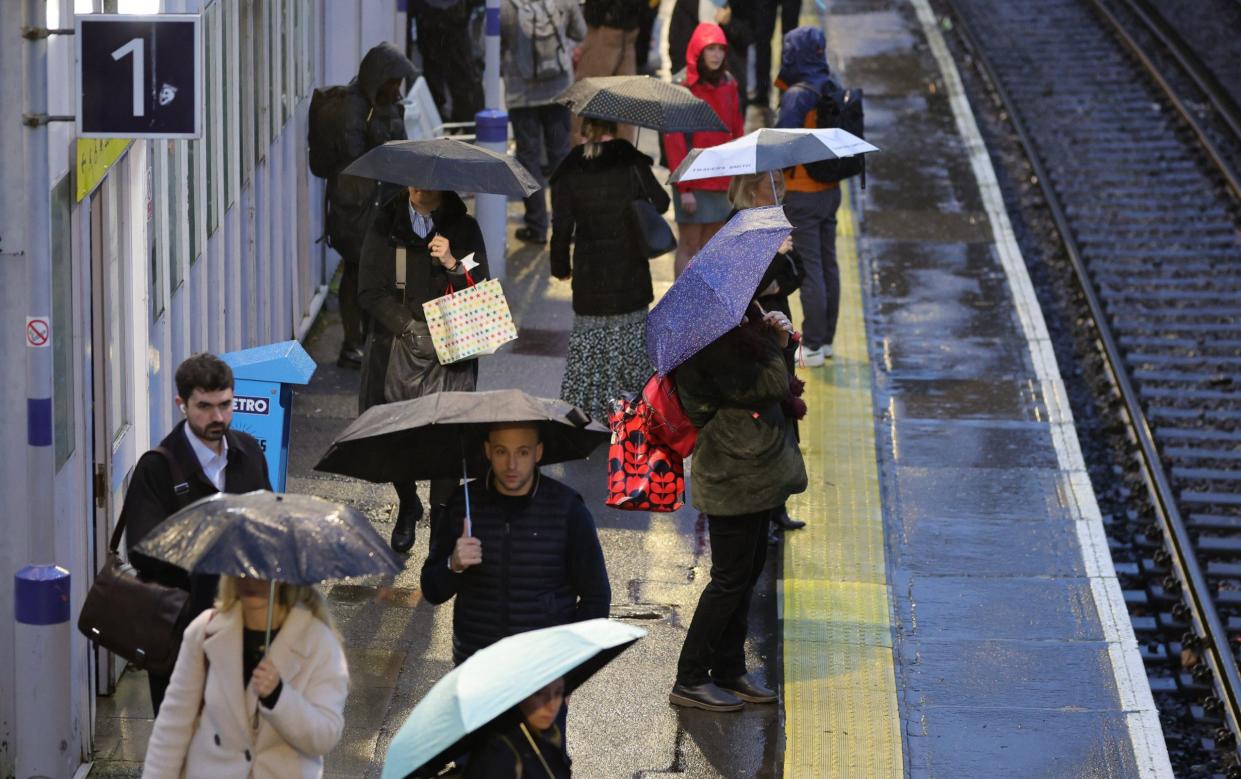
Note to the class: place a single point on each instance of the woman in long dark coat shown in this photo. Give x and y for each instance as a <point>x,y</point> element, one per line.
<point>783,277</point>
<point>434,234</point>
<point>591,193</point>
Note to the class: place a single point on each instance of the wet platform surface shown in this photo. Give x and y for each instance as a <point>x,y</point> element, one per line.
<point>1012,651</point>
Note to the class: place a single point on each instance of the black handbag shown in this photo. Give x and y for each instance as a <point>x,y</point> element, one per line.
<point>651,231</point>
<point>142,621</point>
<point>414,370</point>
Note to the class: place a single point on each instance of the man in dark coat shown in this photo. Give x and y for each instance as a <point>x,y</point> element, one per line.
<point>373,116</point>
<point>531,558</point>
<point>434,238</point>
<point>200,457</point>
<point>442,29</point>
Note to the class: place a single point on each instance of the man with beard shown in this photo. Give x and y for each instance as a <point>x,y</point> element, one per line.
<point>200,457</point>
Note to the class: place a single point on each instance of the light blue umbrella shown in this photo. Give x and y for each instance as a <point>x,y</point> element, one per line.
<point>495,680</point>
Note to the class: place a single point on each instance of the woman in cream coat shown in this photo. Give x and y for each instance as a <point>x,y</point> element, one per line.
<point>207,726</point>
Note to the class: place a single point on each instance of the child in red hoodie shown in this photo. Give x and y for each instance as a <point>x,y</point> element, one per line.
<point>702,206</point>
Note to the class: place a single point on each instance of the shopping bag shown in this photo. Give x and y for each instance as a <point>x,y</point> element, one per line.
<point>469,322</point>
<point>643,475</point>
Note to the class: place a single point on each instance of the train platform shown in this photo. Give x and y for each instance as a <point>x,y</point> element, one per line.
<point>951,610</point>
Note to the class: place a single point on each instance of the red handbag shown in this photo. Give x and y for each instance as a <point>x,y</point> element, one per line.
<point>650,436</point>
<point>670,425</point>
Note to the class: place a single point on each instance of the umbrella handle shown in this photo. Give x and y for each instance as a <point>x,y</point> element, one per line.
<point>465,485</point>
<point>271,605</point>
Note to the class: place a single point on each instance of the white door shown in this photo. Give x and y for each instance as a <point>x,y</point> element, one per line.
<point>111,393</point>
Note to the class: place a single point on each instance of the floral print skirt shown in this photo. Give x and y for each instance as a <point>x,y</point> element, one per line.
<point>607,358</point>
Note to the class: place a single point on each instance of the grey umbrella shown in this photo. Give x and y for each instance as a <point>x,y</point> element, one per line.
<point>444,164</point>
<point>643,101</point>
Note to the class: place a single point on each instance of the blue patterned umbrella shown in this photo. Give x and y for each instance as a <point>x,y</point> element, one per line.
<point>711,296</point>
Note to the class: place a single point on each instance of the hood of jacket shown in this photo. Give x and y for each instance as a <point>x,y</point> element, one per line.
<point>705,34</point>
<point>804,58</point>
<point>381,64</point>
<point>613,154</point>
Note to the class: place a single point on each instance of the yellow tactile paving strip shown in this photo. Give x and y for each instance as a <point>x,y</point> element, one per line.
<point>841,717</point>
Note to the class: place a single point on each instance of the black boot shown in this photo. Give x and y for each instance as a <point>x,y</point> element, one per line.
<point>403,532</point>
<point>704,696</point>
<point>747,689</point>
<point>409,511</point>
<point>783,521</point>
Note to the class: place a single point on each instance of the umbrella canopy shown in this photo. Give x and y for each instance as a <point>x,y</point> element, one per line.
<point>444,164</point>
<point>767,149</point>
<point>298,539</point>
<point>643,101</point>
<point>425,438</point>
<point>495,680</point>
<point>711,296</point>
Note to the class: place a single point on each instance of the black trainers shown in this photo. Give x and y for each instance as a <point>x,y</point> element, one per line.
<point>748,690</point>
<point>707,697</point>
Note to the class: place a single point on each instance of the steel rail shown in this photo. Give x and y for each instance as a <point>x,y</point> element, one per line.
<point>1205,618</point>
<point>1192,66</point>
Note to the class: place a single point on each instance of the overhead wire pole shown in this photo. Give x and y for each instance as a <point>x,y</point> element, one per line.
<point>41,588</point>
<point>491,126</point>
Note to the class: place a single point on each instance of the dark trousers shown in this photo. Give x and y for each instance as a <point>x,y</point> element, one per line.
<point>448,62</point>
<point>764,21</point>
<point>407,493</point>
<point>813,216</point>
<point>540,131</point>
<point>350,311</point>
<point>715,643</point>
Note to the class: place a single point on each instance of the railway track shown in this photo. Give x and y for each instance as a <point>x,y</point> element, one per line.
<point>1136,149</point>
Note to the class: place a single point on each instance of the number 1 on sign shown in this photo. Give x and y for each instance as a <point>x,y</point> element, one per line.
<point>136,47</point>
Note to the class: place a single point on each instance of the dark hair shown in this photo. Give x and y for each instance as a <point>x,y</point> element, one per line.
<point>204,372</point>
<point>531,425</point>
<point>708,75</point>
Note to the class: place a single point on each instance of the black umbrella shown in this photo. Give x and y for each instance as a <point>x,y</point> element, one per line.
<point>427,437</point>
<point>643,101</point>
<point>444,164</point>
<point>297,539</point>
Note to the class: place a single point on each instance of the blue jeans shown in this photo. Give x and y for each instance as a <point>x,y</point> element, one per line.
<point>541,132</point>
<point>813,216</point>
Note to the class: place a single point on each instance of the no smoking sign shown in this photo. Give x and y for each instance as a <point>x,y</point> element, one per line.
<point>38,332</point>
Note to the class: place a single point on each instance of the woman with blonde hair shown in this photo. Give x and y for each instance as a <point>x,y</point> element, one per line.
<point>611,275</point>
<point>238,708</point>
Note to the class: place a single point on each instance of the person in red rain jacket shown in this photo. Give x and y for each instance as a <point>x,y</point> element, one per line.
<point>702,206</point>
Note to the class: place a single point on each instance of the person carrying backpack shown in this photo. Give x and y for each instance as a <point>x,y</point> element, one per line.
<point>537,38</point>
<point>810,204</point>
<point>345,123</point>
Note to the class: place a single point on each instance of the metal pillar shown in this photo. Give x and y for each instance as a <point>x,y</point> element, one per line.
<point>491,126</point>
<point>42,635</point>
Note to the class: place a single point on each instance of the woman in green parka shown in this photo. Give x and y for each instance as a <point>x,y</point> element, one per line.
<point>737,392</point>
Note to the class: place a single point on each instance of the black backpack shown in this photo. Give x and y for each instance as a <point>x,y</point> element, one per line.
<point>327,131</point>
<point>842,108</point>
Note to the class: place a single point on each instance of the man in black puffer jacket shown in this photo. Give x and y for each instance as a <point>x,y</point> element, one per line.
<point>532,559</point>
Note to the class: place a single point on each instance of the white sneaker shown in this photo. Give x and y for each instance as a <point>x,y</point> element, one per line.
<point>813,358</point>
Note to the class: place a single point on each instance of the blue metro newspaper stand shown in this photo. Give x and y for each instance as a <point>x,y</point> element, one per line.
<point>263,398</point>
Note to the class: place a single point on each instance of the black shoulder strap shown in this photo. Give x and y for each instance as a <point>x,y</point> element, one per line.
<point>180,490</point>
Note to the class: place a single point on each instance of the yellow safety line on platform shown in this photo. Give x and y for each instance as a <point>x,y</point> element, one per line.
<point>841,717</point>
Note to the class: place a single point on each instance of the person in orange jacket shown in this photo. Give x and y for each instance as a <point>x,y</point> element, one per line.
<point>702,206</point>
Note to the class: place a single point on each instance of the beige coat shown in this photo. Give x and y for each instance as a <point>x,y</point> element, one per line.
<point>204,728</point>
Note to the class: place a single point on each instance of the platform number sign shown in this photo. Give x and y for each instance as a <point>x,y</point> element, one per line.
<point>139,76</point>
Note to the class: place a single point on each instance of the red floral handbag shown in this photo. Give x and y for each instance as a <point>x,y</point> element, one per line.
<point>650,437</point>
